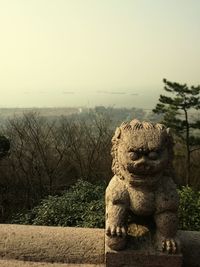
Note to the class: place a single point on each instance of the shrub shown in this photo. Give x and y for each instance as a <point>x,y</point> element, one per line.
<point>189,209</point>
<point>82,205</point>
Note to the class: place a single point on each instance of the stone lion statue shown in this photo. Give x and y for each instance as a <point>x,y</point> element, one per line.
<point>142,188</point>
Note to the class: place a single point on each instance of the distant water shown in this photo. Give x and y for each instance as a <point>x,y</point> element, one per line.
<point>145,99</point>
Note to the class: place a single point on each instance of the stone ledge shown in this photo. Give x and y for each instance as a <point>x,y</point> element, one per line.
<point>72,245</point>
<point>15,263</point>
<point>52,244</point>
<point>190,246</point>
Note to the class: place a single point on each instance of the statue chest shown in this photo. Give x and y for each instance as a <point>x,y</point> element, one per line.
<point>142,202</point>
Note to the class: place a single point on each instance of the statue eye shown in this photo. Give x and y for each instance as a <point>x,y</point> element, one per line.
<point>153,155</point>
<point>133,155</point>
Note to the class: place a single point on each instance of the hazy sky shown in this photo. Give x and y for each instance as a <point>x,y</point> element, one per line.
<point>96,52</point>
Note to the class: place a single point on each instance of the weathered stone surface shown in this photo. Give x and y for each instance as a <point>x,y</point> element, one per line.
<point>31,241</point>
<point>135,258</point>
<point>142,186</point>
<point>14,263</point>
<point>52,244</point>
<point>190,247</point>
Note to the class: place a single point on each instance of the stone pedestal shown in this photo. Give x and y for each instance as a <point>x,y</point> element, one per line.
<point>140,252</point>
<point>141,258</point>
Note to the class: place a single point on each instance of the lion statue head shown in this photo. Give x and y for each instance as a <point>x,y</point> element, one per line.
<point>142,152</point>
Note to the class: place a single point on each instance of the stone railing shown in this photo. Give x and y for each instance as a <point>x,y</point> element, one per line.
<point>64,246</point>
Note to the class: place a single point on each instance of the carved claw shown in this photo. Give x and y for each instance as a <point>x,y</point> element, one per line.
<point>169,245</point>
<point>116,231</point>
<point>116,236</point>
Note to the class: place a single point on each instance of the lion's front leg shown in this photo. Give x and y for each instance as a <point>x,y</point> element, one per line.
<point>116,229</point>
<point>115,220</point>
<point>165,238</point>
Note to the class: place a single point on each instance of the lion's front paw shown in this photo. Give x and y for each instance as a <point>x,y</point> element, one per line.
<point>115,230</point>
<point>116,236</point>
<point>169,245</point>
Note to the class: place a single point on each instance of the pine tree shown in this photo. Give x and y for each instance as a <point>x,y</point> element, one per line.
<point>175,108</point>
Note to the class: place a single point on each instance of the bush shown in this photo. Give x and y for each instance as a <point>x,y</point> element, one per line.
<point>82,205</point>
<point>189,209</point>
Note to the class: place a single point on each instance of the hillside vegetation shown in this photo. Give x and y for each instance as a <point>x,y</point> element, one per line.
<point>48,156</point>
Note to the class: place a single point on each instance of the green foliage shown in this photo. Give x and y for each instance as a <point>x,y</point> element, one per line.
<point>189,209</point>
<point>82,205</point>
<point>179,101</point>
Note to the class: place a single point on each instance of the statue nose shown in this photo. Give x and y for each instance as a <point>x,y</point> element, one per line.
<point>142,163</point>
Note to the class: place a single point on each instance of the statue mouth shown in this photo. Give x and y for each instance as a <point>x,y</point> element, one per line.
<point>136,178</point>
<point>142,173</point>
<point>139,177</point>
<point>139,171</point>
<point>143,179</point>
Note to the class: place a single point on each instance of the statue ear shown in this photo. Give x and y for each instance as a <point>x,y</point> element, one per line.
<point>118,133</point>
